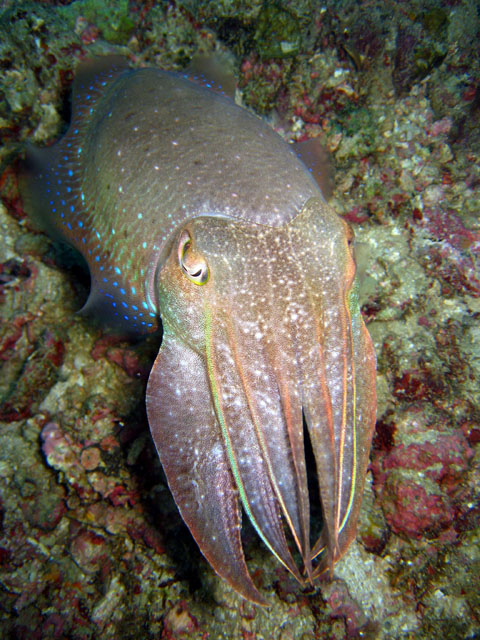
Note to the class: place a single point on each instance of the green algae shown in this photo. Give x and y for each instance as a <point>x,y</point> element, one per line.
<point>432,51</point>
<point>111,17</point>
<point>278,32</point>
<point>436,21</point>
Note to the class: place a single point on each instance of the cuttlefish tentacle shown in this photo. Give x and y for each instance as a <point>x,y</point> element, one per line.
<point>355,364</point>
<point>268,370</point>
<point>295,499</point>
<point>362,406</point>
<point>328,378</point>
<point>237,401</point>
<point>318,413</point>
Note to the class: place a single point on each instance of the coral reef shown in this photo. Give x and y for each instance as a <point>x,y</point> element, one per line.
<point>91,544</point>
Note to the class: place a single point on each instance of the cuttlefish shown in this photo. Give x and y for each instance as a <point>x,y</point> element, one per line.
<point>193,212</point>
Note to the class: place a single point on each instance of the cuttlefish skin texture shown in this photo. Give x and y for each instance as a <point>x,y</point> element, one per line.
<point>191,210</point>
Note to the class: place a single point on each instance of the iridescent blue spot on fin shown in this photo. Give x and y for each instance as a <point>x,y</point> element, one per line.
<point>213,72</point>
<point>49,176</point>
<point>92,79</point>
<point>116,308</point>
<point>51,187</point>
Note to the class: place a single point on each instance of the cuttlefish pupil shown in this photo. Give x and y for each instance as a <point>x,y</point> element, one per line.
<point>276,337</point>
<point>193,264</point>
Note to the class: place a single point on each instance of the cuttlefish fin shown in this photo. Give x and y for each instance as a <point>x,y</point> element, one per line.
<point>185,431</point>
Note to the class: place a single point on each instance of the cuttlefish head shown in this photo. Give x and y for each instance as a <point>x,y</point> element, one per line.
<point>263,338</point>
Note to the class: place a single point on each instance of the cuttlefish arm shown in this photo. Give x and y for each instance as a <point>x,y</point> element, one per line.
<point>194,459</point>
<point>260,332</point>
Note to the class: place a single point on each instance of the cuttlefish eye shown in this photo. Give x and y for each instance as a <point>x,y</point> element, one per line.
<point>193,264</point>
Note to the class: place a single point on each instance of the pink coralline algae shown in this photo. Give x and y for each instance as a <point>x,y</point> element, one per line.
<point>455,255</point>
<point>179,621</point>
<point>44,511</point>
<point>444,460</point>
<point>90,458</point>
<point>440,127</point>
<point>419,484</point>
<point>63,454</point>
<point>89,551</point>
<point>113,506</point>
<point>81,464</point>
<point>343,606</point>
<point>410,510</point>
<point>113,347</point>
